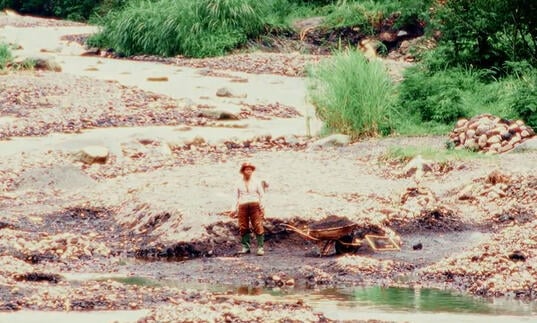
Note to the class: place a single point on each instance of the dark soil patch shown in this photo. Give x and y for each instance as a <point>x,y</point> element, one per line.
<point>331,221</point>
<point>80,221</point>
<point>325,40</point>
<point>226,246</point>
<point>5,225</point>
<point>178,251</point>
<point>38,277</point>
<point>430,220</point>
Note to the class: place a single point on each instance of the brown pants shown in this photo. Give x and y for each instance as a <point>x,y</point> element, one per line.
<point>250,212</point>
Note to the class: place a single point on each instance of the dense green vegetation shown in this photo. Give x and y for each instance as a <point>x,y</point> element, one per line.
<point>68,9</point>
<point>5,55</point>
<point>483,60</point>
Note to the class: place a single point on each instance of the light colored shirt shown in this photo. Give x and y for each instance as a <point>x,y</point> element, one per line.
<point>248,192</point>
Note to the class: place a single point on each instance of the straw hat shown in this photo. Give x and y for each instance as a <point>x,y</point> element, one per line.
<point>247,165</point>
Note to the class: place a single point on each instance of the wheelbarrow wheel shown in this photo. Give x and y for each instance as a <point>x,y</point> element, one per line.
<point>344,245</point>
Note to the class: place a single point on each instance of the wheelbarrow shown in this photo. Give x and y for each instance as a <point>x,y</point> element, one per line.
<point>327,238</point>
<point>340,238</point>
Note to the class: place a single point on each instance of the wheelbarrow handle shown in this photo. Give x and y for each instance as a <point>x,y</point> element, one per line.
<point>300,232</point>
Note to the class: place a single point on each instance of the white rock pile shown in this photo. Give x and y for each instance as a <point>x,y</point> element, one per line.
<point>490,134</point>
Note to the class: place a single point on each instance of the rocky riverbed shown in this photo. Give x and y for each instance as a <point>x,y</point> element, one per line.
<point>79,234</point>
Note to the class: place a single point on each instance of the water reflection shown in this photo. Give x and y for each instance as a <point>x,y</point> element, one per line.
<point>347,303</point>
<point>422,300</point>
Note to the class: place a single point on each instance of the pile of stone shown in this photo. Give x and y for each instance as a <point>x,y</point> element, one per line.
<point>490,134</point>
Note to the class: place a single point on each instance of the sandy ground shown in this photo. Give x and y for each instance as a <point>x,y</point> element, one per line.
<point>162,196</point>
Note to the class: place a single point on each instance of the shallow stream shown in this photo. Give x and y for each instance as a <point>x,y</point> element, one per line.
<point>357,303</point>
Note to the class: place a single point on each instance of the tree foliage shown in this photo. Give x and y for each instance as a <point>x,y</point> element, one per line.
<point>486,33</point>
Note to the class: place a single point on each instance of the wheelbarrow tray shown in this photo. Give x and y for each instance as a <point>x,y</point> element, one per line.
<point>332,233</point>
<point>335,233</point>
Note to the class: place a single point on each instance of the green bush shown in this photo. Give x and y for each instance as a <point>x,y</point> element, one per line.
<point>437,96</point>
<point>431,101</point>
<point>369,15</point>
<point>5,55</point>
<point>192,28</point>
<point>486,33</point>
<point>352,95</point>
<point>524,99</point>
<point>365,15</point>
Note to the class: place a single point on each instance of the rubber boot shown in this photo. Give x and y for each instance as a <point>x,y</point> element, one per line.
<point>260,243</point>
<point>245,243</point>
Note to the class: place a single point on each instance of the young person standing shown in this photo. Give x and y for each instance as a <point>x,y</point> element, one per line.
<point>249,192</point>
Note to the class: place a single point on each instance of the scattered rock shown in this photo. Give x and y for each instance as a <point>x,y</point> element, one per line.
<point>417,246</point>
<point>91,52</point>
<point>157,79</point>
<point>221,113</point>
<point>225,92</point>
<point>93,155</point>
<point>332,140</point>
<point>517,256</point>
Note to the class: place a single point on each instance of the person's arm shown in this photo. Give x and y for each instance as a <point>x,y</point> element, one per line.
<point>260,193</point>
<point>234,209</point>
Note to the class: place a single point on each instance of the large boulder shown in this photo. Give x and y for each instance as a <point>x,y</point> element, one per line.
<point>528,145</point>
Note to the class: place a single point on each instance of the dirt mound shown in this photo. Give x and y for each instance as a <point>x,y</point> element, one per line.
<point>331,221</point>
<point>437,219</point>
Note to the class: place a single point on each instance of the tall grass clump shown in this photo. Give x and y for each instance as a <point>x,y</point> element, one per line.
<point>353,95</point>
<point>192,28</point>
<point>5,55</point>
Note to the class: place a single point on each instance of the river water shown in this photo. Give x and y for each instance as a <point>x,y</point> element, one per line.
<point>364,303</point>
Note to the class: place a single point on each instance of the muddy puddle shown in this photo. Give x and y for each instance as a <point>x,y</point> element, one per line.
<point>341,304</point>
